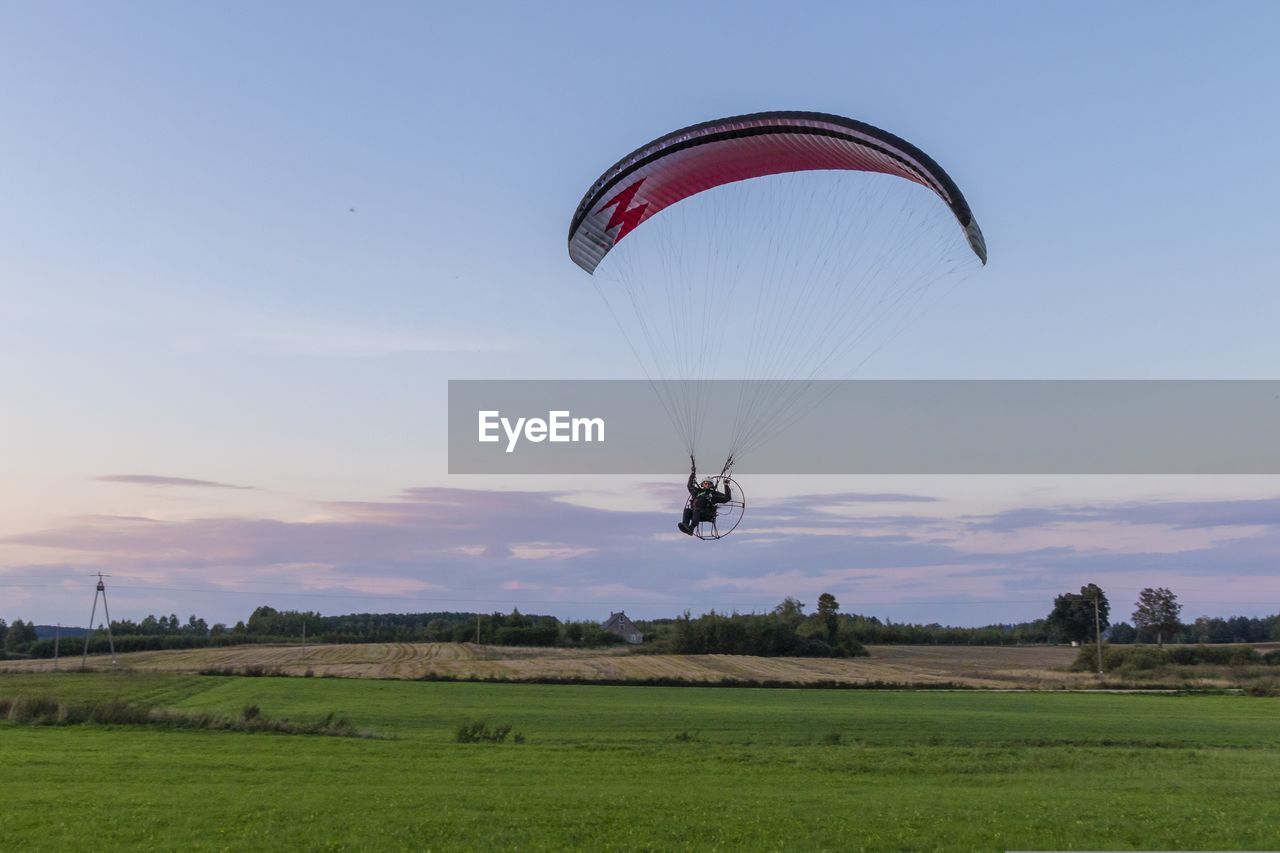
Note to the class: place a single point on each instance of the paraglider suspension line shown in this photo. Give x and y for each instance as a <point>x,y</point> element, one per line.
<point>728,466</point>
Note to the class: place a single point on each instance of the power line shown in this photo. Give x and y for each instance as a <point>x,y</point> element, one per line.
<point>647,602</point>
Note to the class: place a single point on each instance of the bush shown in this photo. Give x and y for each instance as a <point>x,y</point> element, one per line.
<point>1137,658</point>
<point>1087,658</point>
<point>1148,658</point>
<point>847,646</point>
<point>479,732</point>
<point>1221,655</point>
<point>251,671</point>
<point>46,711</point>
<point>1264,687</point>
<point>36,710</point>
<point>108,712</point>
<point>259,671</point>
<point>546,633</point>
<point>814,648</point>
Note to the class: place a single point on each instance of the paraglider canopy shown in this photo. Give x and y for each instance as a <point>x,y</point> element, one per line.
<point>714,153</point>
<point>793,246</point>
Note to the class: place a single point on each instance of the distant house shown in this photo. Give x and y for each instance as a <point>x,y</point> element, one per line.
<point>619,624</point>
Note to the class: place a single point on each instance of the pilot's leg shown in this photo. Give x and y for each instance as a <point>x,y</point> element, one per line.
<point>686,526</point>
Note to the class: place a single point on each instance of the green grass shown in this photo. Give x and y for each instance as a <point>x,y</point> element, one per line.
<point>603,768</point>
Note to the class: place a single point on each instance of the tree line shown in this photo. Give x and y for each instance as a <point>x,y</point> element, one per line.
<point>1156,618</point>
<point>269,625</point>
<point>787,630</point>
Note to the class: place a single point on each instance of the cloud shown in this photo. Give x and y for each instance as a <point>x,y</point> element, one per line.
<point>426,547</point>
<point>1179,514</point>
<point>845,499</point>
<point>548,551</point>
<point>844,511</point>
<point>107,519</point>
<point>456,539</point>
<point>154,480</point>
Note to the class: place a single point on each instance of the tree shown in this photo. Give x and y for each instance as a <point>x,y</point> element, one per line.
<point>1073,614</point>
<point>1122,632</point>
<point>790,610</point>
<point>19,636</point>
<point>262,621</point>
<point>1157,612</point>
<point>828,610</point>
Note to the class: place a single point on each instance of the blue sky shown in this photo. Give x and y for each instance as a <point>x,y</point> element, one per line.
<point>188,294</point>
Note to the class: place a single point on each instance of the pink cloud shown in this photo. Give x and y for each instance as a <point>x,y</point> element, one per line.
<point>428,547</point>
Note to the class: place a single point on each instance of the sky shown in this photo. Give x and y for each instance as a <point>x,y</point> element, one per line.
<point>243,248</point>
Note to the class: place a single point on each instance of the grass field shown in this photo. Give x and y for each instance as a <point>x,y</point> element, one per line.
<point>604,768</point>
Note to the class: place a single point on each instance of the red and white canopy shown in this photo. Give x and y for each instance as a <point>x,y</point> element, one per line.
<point>715,153</point>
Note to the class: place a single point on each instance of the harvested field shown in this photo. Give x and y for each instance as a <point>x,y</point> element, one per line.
<point>971,666</point>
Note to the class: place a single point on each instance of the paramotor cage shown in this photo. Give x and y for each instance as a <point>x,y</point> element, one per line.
<point>727,514</point>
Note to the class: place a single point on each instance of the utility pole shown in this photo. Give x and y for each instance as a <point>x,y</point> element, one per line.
<point>57,638</point>
<point>1097,629</point>
<point>101,590</point>
<point>477,629</point>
